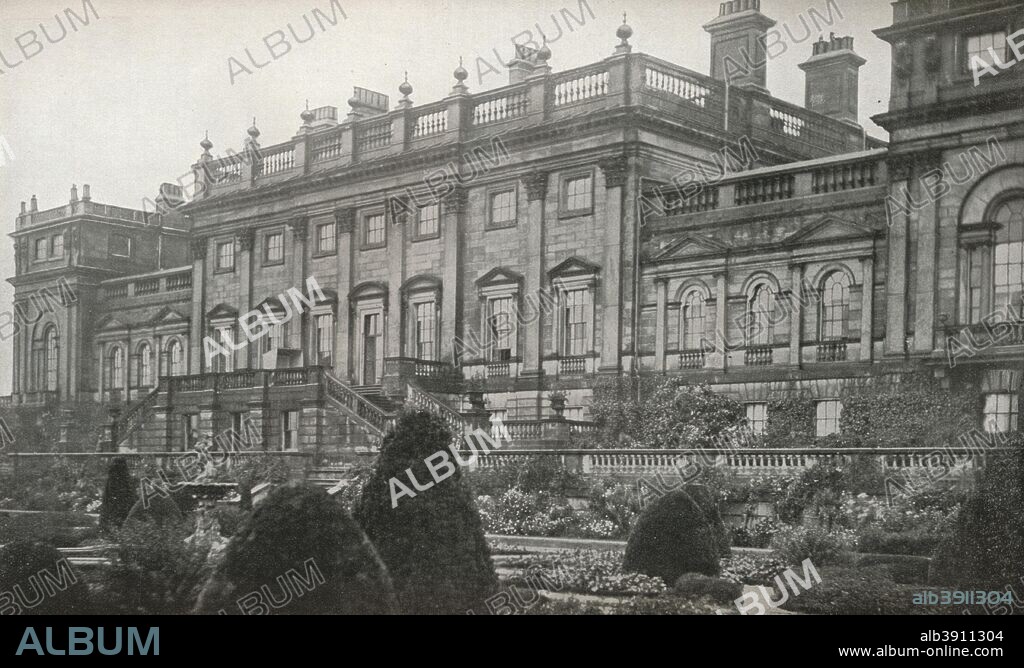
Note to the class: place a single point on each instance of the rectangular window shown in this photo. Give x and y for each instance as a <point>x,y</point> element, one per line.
<point>57,246</point>
<point>425,324</point>
<point>428,221</point>
<point>226,256</point>
<point>374,231</point>
<point>325,339</point>
<point>988,47</point>
<point>1001,413</point>
<point>290,430</point>
<point>828,415</point>
<point>574,323</point>
<point>120,245</point>
<point>757,418</point>
<point>224,362</point>
<point>273,248</point>
<point>502,329</point>
<point>325,238</point>
<point>578,194</point>
<point>40,249</point>
<point>502,208</point>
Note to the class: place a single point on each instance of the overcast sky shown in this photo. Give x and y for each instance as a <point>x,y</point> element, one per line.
<point>122,103</point>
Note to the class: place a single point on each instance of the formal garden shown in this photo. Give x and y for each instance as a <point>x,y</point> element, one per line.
<point>534,536</point>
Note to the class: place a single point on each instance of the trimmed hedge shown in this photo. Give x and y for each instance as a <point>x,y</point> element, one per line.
<point>299,532</point>
<point>33,574</point>
<point>432,543</point>
<point>674,536</point>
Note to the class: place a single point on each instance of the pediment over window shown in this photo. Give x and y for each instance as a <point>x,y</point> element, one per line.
<point>574,266</point>
<point>832,228</point>
<point>168,316</point>
<point>368,290</point>
<point>421,283</point>
<point>111,323</point>
<point>499,276</point>
<point>689,247</point>
<point>222,311</point>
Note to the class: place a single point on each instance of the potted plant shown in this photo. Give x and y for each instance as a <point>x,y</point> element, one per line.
<point>557,400</point>
<point>475,392</point>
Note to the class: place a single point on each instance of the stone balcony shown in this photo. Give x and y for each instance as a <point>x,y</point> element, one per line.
<point>633,82</point>
<point>176,281</point>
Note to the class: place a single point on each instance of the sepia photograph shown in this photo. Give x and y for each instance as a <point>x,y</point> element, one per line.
<point>591,308</point>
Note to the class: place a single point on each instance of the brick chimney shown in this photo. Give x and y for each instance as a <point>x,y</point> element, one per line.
<point>833,79</point>
<point>738,39</point>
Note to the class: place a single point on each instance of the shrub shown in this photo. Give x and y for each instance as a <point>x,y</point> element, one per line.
<point>433,543</point>
<point>795,544</point>
<point>49,529</point>
<point>22,564</point>
<point>597,572</point>
<point>156,571</point>
<point>118,497</point>
<point>761,534</point>
<point>160,509</point>
<point>752,569</point>
<point>671,537</point>
<point>719,590</point>
<point>914,541</point>
<point>987,544</point>
<point>300,531</point>
<point>708,503</point>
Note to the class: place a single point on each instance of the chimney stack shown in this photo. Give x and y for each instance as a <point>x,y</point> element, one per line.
<point>738,38</point>
<point>86,195</point>
<point>833,79</point>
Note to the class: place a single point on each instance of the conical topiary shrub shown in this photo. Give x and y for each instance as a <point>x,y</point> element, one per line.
<point>39,581</point>
<point>673,536</point>
<point>118,497</point>
<point>433,542</point>
<point>299,553</point>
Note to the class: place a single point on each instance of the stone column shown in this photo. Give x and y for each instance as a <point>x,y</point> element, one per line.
<point>196,362</point>
<point>246,239</point>
<point>298,335</point>
<point>345,220</point>
<point>661,322</point>
<point>867,308</point>
<point>615,171</point>
<point>896,278</point>
<point>454,208</point>
<point>722,320</point>
<point>796,316</point>
<point>536,191</point>
<point>395,219</point>
<point>927,260</point>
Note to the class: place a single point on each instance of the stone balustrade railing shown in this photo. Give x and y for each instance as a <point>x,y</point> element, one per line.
<point>634,80</point>
<point>165,281</point>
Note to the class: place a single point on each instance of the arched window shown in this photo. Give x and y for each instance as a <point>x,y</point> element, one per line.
<point>145,373</point>
<point>1008,257</point>
<point>51,349</point>
<point>834,311</point>
<point>691,321</point>
<point>116,368</point>
<point>176,358</point>
<point>760,308</point>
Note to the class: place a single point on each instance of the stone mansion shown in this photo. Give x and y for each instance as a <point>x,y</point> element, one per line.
<point>626,218</point>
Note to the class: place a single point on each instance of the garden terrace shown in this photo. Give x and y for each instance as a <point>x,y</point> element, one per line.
<point>689,101</point>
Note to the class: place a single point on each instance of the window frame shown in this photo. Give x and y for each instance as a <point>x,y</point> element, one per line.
<point>1012,413</point>
<point>683,320</point>
<point>140,358</point>
<point>267,237</point>
<point>819,419</point>
<point>333,329</point>
<point>290,427</point>
<point>824,318</point>
<point>418,233</point>
<point>217,268</point>
<point>126,237</point>
<point>763,421</point>
<point>319,250</point>
<point>415,301</point>
<point>564,210</point>
<point>751,299</point>
<point>494,192</point>
<point>364,230</point>
<point>44,243</point>
<point>965,55</point>
<point>171,345</point>
<point>53,245</point>
<point>492,337</point>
